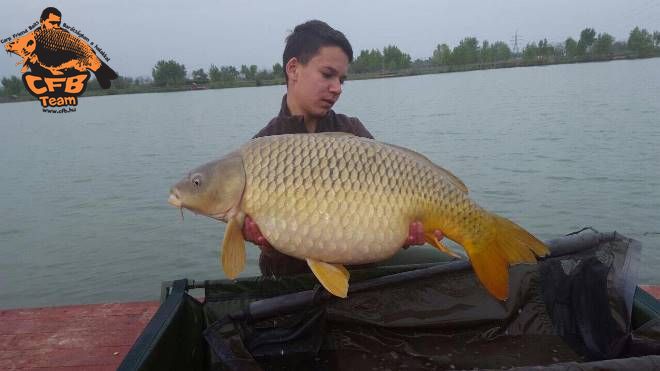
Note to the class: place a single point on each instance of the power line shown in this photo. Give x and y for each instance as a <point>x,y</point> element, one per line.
<point>516,39</point>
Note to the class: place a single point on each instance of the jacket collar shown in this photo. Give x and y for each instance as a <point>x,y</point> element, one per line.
<point>297,120</point>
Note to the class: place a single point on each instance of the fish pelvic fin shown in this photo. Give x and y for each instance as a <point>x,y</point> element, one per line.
<point>432,240</point>
<point>233,249</point>
<point>334,277</point>
<point>504,245</point>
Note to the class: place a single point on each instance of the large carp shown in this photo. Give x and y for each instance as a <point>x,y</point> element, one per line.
<point>56,51</point>
<point>333,199</point>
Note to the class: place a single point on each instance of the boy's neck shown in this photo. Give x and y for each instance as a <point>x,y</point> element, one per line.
<point>295,110</point>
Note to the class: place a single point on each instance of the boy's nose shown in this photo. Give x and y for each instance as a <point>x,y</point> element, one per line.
<point>335,87</point>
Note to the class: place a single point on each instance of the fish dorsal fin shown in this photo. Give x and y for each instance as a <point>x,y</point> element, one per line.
<point>336,134</point>
<point>423,159</point>
<point>334,277</point>
<point>233,249</point>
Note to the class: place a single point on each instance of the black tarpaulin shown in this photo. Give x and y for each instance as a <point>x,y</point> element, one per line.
<point>572,308</point>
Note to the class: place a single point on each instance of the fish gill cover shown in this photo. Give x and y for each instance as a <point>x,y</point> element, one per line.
<point>58,61</point>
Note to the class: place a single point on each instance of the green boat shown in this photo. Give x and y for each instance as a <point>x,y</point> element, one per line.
<point>578,309</point>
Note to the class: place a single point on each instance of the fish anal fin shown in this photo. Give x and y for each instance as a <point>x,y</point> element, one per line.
<point>233,249</point>
<point>432,240</point>
<point>334,277</point>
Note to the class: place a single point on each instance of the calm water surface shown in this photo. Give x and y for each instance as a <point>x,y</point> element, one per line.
<point>83,208</point>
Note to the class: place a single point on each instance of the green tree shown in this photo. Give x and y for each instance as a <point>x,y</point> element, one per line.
<point>12,86</point>
<point>501,51</point>
<point>656,39</point>
<point>228,73</point>
<point>245,71</point>
<point>200,77</point>
<point>214,73</point>
<point>168,73</point>
<point>394,59</point>
<point>640,42</point>
<point>531,53</point>
<point>545,50</point>
<point>466,52</point>
<point>223,74</point>
<point>603,45</point>
<point>278,70</point>
<point>486,53</point>
<point>263,75</point>
<point>571,48</point>
<point>441,55</point>
<point>587,38</point>
<point>620,47</point>
<point>122,82</point>
<point>249,73</point>
<point>368,61</point>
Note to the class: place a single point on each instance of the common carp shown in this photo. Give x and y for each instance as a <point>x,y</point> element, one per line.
<point>56,51</point>
<point>334,198</point>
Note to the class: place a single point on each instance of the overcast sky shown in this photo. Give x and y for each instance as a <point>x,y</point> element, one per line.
<point>136,34</point>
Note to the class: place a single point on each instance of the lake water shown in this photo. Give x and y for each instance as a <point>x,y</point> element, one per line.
<point>83,196</point>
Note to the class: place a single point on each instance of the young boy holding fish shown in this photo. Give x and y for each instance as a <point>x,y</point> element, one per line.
<point>316,60</point>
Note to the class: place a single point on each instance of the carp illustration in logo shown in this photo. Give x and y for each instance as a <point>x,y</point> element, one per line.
<point>58,62</point>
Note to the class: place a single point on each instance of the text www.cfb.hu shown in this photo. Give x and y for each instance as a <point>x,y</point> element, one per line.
<point>61,110</point>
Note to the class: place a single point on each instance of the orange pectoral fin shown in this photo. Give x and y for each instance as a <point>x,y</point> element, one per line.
<point>233,249</point>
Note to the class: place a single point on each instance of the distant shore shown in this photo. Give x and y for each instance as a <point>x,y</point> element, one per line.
<point>413,71</point>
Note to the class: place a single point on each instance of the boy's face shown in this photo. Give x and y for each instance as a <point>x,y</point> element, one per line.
<point>316,86</point>
<point>53,21</point>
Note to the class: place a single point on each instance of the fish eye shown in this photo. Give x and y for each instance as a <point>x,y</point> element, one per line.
<point>197,181</point>
<point>30,42</point>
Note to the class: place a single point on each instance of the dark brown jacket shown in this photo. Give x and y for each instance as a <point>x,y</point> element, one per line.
<point>272,262</point>
<point>285,123</point>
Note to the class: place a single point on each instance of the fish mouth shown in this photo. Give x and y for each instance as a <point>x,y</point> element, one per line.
<point>174,200</point>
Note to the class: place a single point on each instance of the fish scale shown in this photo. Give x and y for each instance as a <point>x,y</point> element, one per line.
<point>60,40</point>
<point>357,197</point>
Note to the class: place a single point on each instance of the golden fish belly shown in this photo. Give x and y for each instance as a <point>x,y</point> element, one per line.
<point>345,199</point>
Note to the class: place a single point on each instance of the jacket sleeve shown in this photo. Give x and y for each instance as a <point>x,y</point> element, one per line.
<point>268,129</point>
<point>359,129</point>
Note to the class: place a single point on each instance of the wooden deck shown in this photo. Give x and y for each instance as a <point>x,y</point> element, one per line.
<point>654,290</point>
<point>82,337</point>
<point>79,337</point>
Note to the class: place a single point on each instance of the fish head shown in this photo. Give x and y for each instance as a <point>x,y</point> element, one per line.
<point>22,46</point>
<point>214,189</point>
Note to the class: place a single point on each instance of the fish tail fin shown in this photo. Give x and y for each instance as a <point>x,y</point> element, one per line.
<point>503,244</point>
<point>104,74</point>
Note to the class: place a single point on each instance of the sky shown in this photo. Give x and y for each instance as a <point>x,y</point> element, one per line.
<point>136,34</point>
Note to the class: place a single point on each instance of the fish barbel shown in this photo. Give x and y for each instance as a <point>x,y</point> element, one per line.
<point>333,199</point>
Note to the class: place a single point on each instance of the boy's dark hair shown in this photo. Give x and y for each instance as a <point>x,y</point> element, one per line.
<point>50,10</point>
<point>307,38</point>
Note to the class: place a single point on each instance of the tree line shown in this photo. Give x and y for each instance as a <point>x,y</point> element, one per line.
<point>468,54</point>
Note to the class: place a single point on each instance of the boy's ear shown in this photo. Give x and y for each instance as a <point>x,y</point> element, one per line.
<point>292,67</point>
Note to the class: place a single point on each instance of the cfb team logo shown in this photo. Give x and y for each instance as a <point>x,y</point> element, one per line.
<point>58,62</point>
